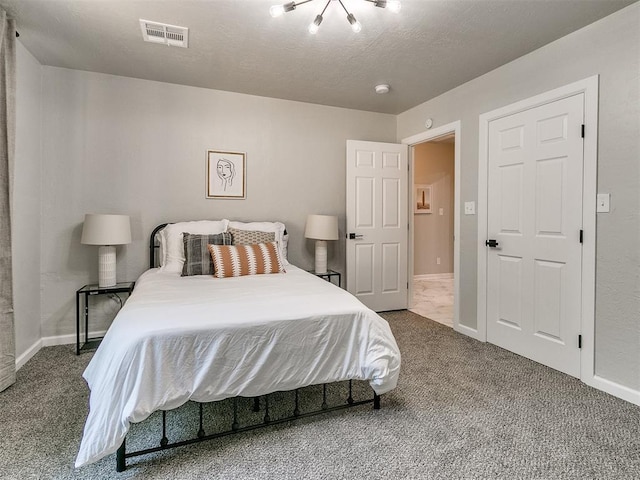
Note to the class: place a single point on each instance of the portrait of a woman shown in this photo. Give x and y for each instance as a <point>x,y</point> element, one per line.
<point>226,171</point>
<point>226,175</point>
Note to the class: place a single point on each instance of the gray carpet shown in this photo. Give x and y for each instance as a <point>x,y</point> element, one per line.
<point>462,409</point>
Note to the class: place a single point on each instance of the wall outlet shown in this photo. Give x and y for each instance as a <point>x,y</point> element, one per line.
<point>437,260</point>
<point>441,211</point>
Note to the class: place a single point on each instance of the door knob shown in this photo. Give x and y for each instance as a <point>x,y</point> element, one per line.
<point>354,236</point>
<point>491,243</point>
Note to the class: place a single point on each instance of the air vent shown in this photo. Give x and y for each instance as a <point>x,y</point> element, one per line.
<point>171,35</point>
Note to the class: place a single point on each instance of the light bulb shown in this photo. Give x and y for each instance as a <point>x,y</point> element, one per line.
<point>315,25</point>
<point>276,10</point>
<point>394,5</point>
<point>355,24</point>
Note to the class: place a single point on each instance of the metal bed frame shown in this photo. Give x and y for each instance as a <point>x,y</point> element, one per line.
<point>122,454</point>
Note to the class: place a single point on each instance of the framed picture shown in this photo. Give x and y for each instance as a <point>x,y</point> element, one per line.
<point>423,200</point>
<point>226,174</point>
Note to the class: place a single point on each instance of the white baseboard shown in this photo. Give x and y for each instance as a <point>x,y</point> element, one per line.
<point>434,276</point>
<point>68,339</point>
<point>50,342</point>
<point>28,354</point>
<point>615,389</point>
<point>468,331</point>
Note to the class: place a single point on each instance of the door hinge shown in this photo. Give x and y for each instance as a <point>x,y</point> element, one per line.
<point>582,131</point>
<point>581,235</point>
<point>579,341</point>
<point>407,285</point>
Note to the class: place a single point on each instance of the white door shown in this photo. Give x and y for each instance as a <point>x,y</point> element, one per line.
<point>535,169</point>
<point>377,221</point>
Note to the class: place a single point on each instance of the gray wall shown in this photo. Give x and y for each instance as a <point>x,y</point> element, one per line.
<point>434,164</point>
<point>26,201</point>
<point>611,49</point>
<point>120,145</point>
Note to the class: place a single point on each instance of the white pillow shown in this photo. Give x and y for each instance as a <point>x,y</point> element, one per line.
<point>161,247</point>
<point>171,240</point>
<point>276,227</point>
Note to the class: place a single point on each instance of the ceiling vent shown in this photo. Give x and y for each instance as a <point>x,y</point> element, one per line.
<point>171,35</point>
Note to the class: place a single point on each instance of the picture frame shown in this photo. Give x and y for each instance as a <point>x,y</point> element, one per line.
<point>226,174</point>
<point>423,199</point>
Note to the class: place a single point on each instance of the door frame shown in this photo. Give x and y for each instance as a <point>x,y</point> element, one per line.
<point>589,87</point>
<point>426,136</point>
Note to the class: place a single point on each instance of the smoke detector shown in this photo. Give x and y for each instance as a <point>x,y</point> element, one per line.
<point>164,34</point>
<point>380,89</point>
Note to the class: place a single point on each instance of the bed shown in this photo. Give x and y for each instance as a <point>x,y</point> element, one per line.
<point>206,339</point>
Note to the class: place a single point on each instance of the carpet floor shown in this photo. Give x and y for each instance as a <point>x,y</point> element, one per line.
<point>462,409</point>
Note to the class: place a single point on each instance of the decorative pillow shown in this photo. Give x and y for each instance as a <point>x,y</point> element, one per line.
<point>251,237</point>
<point>196,252</point>
<point>239,260</point>
<point>276,227</point>
<point>172,240</point>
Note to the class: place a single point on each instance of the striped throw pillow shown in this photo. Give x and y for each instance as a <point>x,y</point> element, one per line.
<point>197,259</point>
<point>239,260</point>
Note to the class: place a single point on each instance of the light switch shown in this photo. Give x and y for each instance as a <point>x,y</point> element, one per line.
<point>469,208</point>
<point>441,211</point>
<point>603,202</point>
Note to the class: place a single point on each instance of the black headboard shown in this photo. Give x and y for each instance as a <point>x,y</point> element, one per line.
<point>153,245</point>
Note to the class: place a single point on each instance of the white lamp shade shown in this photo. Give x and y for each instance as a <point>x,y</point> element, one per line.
<point>101,229</point>
<point>322,227</point>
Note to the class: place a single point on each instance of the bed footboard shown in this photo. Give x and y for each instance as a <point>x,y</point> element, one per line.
<point>201,436</point>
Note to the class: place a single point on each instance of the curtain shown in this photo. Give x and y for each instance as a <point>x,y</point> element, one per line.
<point>7,149</point>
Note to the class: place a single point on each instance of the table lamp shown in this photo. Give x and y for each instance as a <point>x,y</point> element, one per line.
<point>106,231</point>
<point>321,228</point>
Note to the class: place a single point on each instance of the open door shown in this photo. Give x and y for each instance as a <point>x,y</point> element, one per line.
<point>377,223</point>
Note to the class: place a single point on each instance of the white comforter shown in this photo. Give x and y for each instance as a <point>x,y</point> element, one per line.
<point>205,339</point>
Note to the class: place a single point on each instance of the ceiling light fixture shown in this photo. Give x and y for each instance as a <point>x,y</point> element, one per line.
<point>278,10</point>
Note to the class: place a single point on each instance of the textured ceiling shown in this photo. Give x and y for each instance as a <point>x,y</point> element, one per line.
<point>428,48</point>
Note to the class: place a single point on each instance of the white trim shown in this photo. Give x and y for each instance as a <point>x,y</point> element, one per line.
<point>589,193</point>
<point>588,87</point>
<point>68,339</point>
<point>615,389</point>
<point>28,354</point>
<point>410,275</point>
<point>481,211</point>
<point>468,331</point>
<point>434,276</point>
<point>455,128</point>
<point>51,342</point>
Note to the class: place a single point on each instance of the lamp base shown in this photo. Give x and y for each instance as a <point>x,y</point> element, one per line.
<point>321,256</point>
<point>106,266</point>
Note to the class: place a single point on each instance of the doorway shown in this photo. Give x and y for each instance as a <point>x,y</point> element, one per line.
<point>434,224</point>
<point>433,208</point>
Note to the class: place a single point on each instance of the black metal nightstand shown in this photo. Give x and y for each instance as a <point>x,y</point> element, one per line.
<point>328,275</point>
<point>90,290</point>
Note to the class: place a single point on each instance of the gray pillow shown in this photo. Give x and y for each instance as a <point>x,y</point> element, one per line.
<point>197,259</point>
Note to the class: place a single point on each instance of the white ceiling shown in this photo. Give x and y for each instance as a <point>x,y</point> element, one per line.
<point>428,48</point>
